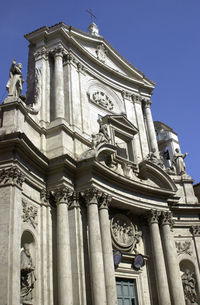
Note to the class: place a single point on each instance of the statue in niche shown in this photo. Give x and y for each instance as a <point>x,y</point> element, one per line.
<point>179,163</point>
<point>15,82</point>
<point>189,283</point>
<point>27,275</point>
<point>102,136</point>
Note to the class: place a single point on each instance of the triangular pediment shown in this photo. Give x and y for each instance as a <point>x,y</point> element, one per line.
<point>121,122</point>
<point>92,49</point>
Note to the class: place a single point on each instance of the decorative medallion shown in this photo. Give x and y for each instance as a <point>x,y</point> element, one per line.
<point>101,98</point>
<point>138,261</point>
<point>124,234</point>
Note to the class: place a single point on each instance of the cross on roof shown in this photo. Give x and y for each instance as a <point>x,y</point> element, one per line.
<point>91,14</point>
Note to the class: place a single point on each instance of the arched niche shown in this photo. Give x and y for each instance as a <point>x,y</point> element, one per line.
<point>28,268</point>
<point>189,281</point>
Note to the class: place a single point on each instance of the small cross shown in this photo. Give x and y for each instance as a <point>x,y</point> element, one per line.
<point>91,15</point>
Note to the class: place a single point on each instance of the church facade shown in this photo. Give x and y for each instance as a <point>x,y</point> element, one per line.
<point>96,206</point>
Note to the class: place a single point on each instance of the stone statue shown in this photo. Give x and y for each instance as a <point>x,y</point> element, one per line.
<point>102,136</point>
<point>27,275</point>
<point>154,159</point>
<point>179,163</point>
<point>14,84</point>
<point>189,283</point>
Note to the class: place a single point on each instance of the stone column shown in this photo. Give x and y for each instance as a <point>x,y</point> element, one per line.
<point>59,83</point>
<point>109,271</point>
<point>137,102</point>
<point>95,248</point>
<point>158,259</point>
<point>173,271</point>
<point>11,180</point>
<point>196,236</point>
<point>150,125</point>
<point>65,293</point>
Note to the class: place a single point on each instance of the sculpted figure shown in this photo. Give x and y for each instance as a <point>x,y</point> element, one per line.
<point>14,84</point>
<point>102,136</point>
<point>154,159</point>
<point>189,283</point>
<point>27,274</point>
<point>179,163</point>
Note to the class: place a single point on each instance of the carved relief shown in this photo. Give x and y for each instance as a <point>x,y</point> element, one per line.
<point>125,235</point>
<point>189,287</point>
<point>183,247</point>
<point>101,52</point>
<point>12,175</point>
<point>102,99</point>
<point>152,157</point>
<point>102,136</point>
<point>195,230</point>
<point>29,214</point>
<point>27,275</point>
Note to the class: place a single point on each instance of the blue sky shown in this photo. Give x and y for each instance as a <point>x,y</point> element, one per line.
<point>160,38</point>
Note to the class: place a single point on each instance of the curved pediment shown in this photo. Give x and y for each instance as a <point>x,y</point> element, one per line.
<point>151,171</point>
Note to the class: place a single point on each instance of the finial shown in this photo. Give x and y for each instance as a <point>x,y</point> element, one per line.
<point>92,29</point>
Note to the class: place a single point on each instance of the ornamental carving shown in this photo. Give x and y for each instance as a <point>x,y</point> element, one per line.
<point>102,99</point>
<point>195,230</point>
<point>29,214</point>
<point>124,234</point>
<point>183,247</point>
<point>189,287</point>
<point>62,195</point>
<point>12,175</point>
<point>101,137</point>
<point>101,52</point>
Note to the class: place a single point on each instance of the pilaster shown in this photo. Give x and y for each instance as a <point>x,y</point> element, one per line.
<point>11,180</point>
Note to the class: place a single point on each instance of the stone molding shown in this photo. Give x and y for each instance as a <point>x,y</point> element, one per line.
<point>183,247</point>
<point>29,214</point>
<point>11,175</point>
<point>62,195</point>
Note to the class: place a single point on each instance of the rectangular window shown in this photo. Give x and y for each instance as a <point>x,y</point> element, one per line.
<point>126,292</point>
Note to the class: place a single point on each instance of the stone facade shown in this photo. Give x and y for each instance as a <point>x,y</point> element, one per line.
<point>96,206</point>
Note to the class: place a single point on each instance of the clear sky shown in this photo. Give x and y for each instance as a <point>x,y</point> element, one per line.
<point>159,37</point>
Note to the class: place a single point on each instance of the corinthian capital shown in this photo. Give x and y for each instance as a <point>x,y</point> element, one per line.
<point>147,103</point>
<point>92,196</point>
<point>12,175</point>
<point>166,218</point>
<point>104,201</point>
<point>41,53</point>
<point>62,195</point>
<point>153,216</point>
<point>58,51</point>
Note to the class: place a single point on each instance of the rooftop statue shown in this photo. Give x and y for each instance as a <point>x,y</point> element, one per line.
<point>15,82</point>
<point>179,163</point>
